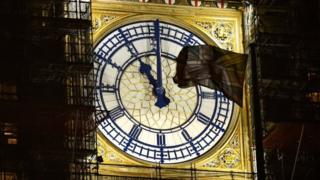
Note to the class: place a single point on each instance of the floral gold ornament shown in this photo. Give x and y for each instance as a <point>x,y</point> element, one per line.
<point>223,32</point>
<point>229,158</point>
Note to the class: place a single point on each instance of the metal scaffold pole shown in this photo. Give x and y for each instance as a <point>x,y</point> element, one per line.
<point>257,115</point>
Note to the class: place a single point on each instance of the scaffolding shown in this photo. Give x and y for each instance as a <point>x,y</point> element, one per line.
<point>288,78</point>
<point>47,128</point>
<point>287,55</point>
<point>157,172</point>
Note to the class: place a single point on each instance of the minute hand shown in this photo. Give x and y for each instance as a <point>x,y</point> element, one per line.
<point>162,100</point>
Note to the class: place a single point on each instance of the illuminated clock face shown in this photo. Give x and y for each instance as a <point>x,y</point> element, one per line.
<point>140,109</point>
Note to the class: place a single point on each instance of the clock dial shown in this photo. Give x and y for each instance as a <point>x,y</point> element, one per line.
<point>138,99</point>
<point>188,122</point>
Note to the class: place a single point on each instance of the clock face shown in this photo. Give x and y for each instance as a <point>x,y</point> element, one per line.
<point>140,109</point>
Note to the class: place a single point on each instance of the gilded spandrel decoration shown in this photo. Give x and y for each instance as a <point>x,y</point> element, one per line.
<point>213,163</point>
<point>228,157</point>
<point>234,142</point>
<point>206,25</point>
<point>107,18</point>
<point>107,154</point>
<point>222,32</point>
<point>96,24</point>
<point>100,20</point>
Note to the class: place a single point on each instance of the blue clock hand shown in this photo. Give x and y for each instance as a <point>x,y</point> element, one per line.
<point>162,100</point>
<point>144,68</point>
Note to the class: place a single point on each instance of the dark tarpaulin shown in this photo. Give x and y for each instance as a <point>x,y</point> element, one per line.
<point>212,67</point>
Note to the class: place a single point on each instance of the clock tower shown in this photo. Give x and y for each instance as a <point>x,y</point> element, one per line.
<point>149,127</point>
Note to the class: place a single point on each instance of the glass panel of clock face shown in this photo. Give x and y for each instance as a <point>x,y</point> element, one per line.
<point>188,126</point>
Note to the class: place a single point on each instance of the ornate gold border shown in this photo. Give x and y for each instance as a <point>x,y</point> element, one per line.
<point>137,17</point>
<point>197,20</point>
<point>184,15</point>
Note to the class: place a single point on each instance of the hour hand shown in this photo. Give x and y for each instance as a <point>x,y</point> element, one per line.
<point>159,92</point>
<point>146,70</point>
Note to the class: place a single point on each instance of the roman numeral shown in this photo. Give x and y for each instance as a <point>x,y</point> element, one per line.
<point>107,88</point>
<point>116,113</point>
<point>161,140</point>
<point>212,95</point>
<point>203,119</point>
<point>135,132</point>
<point>207,95</point>
<point>186,135</point>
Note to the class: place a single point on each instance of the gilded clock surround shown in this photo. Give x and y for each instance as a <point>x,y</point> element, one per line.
<point>215,26</point>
